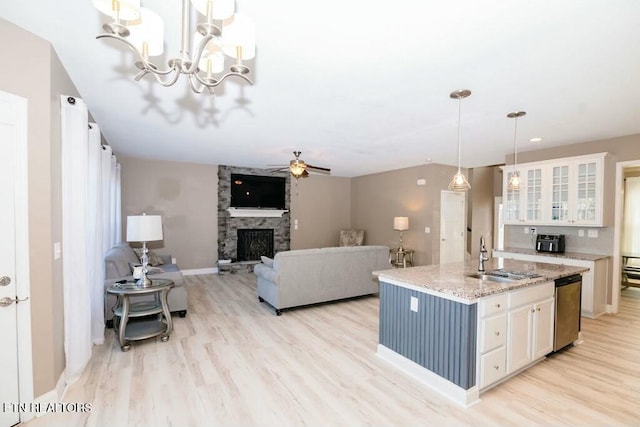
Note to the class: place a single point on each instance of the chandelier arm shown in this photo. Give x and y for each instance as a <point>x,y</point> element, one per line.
<point>245,78</point>
<point>148,66</point>
<point>192,83</point>
<point>198,56</point>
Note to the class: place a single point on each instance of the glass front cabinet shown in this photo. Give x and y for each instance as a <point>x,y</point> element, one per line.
<point>556,192</point>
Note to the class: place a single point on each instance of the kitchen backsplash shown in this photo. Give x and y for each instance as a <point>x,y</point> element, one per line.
<point>514,236</point>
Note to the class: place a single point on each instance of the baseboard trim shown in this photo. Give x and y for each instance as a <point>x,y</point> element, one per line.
<point>51,397</point>
<point>196,271</point>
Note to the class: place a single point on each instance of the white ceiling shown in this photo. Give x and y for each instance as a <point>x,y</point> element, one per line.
<point>363,86</point>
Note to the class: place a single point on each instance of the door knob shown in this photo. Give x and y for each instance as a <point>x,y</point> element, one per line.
<point>5,280</point>
<point>6,301</point>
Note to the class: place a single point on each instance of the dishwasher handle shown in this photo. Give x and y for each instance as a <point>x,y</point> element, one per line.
<point>563,281</point>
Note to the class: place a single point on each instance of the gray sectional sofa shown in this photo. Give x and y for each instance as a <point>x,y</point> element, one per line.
<point>310,276</point>
<point>117,264</point>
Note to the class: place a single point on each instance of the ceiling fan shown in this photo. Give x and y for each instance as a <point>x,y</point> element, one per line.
<point>300,169</point>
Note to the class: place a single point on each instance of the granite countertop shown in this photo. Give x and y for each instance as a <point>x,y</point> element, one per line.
<point>570,255</point>
<point>451,281</point>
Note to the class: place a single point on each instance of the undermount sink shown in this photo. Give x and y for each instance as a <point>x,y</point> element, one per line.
<point>491,278</point>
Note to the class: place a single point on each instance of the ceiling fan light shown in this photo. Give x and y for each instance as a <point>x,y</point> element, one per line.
<point>128,9</point>
<point>147,33</point>
<point>239,31</point>
<point>459,182</point>
<point>297,167</point>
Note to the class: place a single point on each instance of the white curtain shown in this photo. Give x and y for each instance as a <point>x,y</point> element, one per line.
<point>95,246</point>
<point>91,225</point>
<point>631,230</point>
<point>75,260</point>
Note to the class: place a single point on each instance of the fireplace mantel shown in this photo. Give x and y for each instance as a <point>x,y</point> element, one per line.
<point>253,213</point>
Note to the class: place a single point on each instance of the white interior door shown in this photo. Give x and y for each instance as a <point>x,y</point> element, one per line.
<point>452,226</point>
<point>9,134</point>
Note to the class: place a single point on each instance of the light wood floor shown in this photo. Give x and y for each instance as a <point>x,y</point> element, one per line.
<point>231,361</point>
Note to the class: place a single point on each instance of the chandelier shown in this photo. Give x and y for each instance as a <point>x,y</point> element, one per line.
<point>220,33</point>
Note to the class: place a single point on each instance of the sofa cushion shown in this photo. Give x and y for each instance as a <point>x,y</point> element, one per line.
<point>267,261</point>
<point>117,260</point>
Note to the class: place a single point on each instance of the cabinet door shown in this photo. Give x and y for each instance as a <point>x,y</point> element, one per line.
<point>511,201</point>
<point>519,338</point>
<point>543,323</point>
<point>533,195</point>
<point>587,206</point>
<point>559,209</point>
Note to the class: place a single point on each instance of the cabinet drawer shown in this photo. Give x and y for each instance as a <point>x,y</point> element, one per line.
<point>531,294</point>
<point>493,304</point>
<point>494,332</point>
<point>492,367</point>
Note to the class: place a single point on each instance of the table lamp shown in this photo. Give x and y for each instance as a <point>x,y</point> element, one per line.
<point>144,228</point>
<point>401,223</point>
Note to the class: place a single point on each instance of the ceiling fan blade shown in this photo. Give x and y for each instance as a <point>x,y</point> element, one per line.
<point>318,169</point>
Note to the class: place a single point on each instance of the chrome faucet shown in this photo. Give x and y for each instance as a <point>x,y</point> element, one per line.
<point>483,255</point>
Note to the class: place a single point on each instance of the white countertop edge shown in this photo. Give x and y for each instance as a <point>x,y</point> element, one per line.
<point>428,291</point>
<point>566,255</point>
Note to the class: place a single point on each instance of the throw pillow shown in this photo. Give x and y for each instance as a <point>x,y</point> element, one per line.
<point>154,259</point>
<point>267,261</point>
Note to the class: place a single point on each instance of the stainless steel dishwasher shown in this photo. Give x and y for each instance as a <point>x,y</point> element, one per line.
<point>568,295</point>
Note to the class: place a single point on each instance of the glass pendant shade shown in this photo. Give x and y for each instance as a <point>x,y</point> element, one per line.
<point>239,32</point>
<point>127,10</point>
<point>220,9</point>
<point>147,33</point>
<point>459,182</point>
<point>514,181</point>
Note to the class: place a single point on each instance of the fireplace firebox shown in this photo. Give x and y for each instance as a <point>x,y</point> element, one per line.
<point>254,243</point>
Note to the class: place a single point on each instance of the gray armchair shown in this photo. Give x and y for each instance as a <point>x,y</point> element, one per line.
<point>351,238</point>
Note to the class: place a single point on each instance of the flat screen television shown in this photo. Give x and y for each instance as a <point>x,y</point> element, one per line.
<point>256,191</point>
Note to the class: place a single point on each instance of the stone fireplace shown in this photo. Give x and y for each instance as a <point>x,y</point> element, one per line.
<point>230,227</point>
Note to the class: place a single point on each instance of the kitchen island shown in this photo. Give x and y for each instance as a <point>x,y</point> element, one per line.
<point>461,332</point>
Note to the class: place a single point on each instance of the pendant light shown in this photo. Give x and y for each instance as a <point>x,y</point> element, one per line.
<point>459,181</point>
<point>514,181</point>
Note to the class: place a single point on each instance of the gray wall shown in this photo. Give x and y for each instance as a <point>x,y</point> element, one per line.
<point>41,79</point>
<point>186,195</point>
<point>322,206</point>
<point>378,198</point>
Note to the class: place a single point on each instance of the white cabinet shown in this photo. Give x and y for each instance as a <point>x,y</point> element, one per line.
<point>594,282</point>
<point>565,191</point>
<point>524,205</point>
<point>530,323</point>
<point>492,338</point>
<point>515,329</point>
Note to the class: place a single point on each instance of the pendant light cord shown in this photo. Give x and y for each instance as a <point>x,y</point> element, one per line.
<point>515,144</point>
<point>459,130</point>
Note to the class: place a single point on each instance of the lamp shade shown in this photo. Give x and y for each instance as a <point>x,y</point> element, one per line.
<point>144,228</point>
<point>147,33</point>
<point>401,223</point>
<point>239,37</point>
<point>220,9</point>
<point>126,9</point>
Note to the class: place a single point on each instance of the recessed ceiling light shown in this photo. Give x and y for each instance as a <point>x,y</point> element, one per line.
<point>536,139</point>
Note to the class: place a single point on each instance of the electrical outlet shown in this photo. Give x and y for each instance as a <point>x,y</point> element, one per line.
<point>421,182</point>
<point>414,304</point>
<point>526,230</point>
<point>580,233</point>
<point>533,230</point>
<point>427,230</point>
<point>592,233</point>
